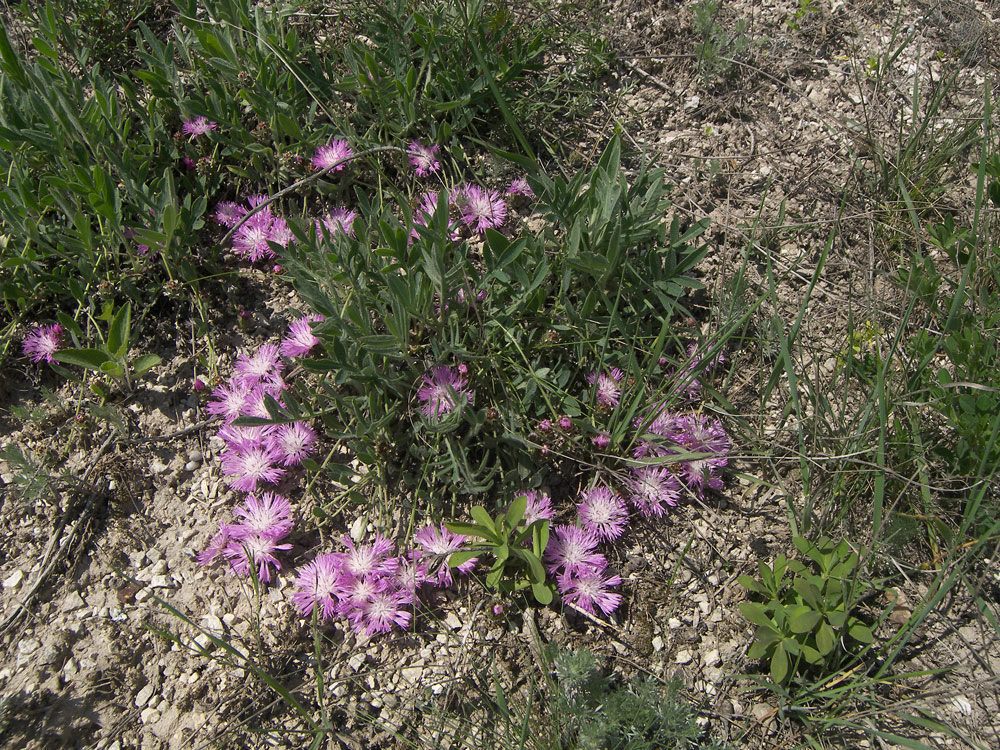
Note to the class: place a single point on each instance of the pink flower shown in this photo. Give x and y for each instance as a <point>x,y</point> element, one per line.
<point>300,339</point>
<point>571,549</point>
<point>228,400</point>
<point>520,187</point>
<point>602,441</point>
<point>608,390</point>
<point>327,156</point>
<point>650,488</point>
<point>438,541</point>
<point>268,515</point>
<point>338,220</point>
<point>215,546</point>
<point>388,605</point>
<point>443,389</point>
<point>538,508</point>
<point>482,209</point>
<point>318,584</point>
<point>589,589</point>
<point>197,126</point>
<point>545,425</point>
<point>293,442</point>
<point>261,366</point>
<point>423,158</point>
<point>369,559</point>
<point>245,469</point>
<point>709,443</point>
<point>602,513</point>
<point>42,342</point>
<point>254,550</point>
<point>252,239</point>
<point>565,423</point>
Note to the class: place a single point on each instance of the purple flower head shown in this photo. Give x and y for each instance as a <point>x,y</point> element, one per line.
<point>697,363</point>
<point>423,158</point>
<point>538,508</point>
<point>42,342</point>
<point>215,546</point>
<point>371,560</point>
<point>388,605</point>
<point>229,214</point>
<point>261,366</point>
<point>245,469</point>
<point>197,126</point>
<point>279,233</point>
<point>650,488</point>
<point>608,390</point>
<point>251,240</point>
<point>565,423</point>
<point>545,425</point>
<point>293,442</point>
<point>602,513</point>
<point>242,439</point>
<point>228,401</point>
<point>521,187</point>
<point>412,572</point>
<point>327,156</point>
<point>571,549</point>
<point>318,584</point>
<point>267,515</point>
<point>482,209</point>
<point>708,440</point>
<point>300,339</point>
<point>254,552</point>
<point>443,389</point>
<point>601,441</point>
<point>589,589</point>
<point>441,543</point>
<point>338,220</point>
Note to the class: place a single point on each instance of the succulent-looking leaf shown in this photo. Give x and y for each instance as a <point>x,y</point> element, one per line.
<point>779,665</point>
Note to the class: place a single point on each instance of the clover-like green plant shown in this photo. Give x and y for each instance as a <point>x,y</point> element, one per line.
<point>807,622</point>
<point>516,565</point>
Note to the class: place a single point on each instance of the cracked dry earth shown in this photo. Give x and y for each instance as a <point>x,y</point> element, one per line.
<point>113,634</point>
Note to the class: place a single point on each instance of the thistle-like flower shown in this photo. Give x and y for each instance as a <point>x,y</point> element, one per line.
<point>197,126</point>
<point>482,209</point>
<point>608,390</point>
<point>650,488</point>
<point>602,513</point>
<point>571,549</point>
<point>300,339</point>
<point>589,589</point>
<point>336,151</point>
<point>443,389</point>
<point>42,342</point>
<point>423,158</point>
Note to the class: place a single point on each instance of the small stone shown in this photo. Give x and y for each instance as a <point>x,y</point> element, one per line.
<point>73,601</point>
<point>28,645</point>
<point>673,623</point>
<point>356,662</point>
<point>143,696</point>
<point>762,711</point>
<point>149,715</point>
<point>157,467</point>
<point>213,625</point>
<point>712,658</point>
<point>452,621</point>
<point>412,674</point>
<point>160,582</point>
<point>154,555</point>
<point>203,641</point>
<point>14,579</point>
<point>962,704</point>
<point>70,668</point>
<point>683,657</point>
<point>657,644</point>
<point>191,466</point>
<point>358,528</point>
<point>195,455</point>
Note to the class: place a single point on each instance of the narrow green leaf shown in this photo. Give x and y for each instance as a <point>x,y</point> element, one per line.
<point>756,614</point>
<point>459,558</point>
<point>516,511</point>
<point>481,517</point>
<point>145,362</point>
<point>542,593</point>
<point>779,665</point>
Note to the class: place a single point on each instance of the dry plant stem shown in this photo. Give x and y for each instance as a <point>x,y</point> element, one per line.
<point>54,551</point>
<point>304,181</point>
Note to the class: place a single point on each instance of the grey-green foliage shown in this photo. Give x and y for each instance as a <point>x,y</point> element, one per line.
<point>717,47</point>
<point>592,711</point>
